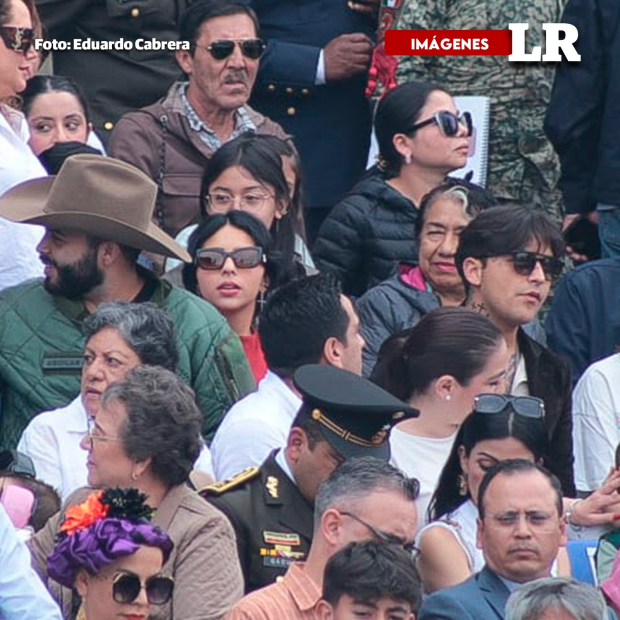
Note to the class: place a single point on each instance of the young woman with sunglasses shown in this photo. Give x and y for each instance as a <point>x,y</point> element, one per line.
<point>233,269</point>
<point>109,552</point>
<point>422,137</point>
<point>18,257</point>
<point>500,428</point>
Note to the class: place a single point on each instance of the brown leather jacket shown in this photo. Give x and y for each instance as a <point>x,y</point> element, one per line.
<point>159,140</point>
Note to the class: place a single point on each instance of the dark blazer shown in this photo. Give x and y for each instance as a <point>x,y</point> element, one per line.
<point>482,597</point>
<point>272,520</point>
<point>330,123</point>
<point>548,378</point>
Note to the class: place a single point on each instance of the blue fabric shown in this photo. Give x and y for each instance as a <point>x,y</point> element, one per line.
<point>609,232</point>
<point>22,595</point>
<point>581,567</point>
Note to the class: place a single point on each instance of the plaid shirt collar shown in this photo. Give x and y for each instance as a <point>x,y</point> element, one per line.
<point>243,122</point>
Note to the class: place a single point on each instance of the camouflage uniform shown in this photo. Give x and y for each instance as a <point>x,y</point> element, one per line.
<point>522,164</point>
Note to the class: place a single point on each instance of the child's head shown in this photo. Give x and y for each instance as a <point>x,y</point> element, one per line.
<point>372,578</point>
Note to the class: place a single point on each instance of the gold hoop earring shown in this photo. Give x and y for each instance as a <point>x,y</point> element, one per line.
<point>463,487</point>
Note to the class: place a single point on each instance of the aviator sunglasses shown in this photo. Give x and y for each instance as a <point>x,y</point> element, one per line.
<point>126,588</point>
<point>250,48</point>
<point>525,406</point>
<point>17,39</point>
<point>212,259</point>
<point>448,123</point>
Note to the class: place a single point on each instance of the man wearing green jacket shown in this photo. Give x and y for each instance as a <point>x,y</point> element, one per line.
<point>97,214</point>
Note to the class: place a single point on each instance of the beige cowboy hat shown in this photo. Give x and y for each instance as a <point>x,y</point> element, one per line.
<point>100,196</point>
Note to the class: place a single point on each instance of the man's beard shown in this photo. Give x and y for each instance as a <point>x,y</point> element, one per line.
<point>75,280</point>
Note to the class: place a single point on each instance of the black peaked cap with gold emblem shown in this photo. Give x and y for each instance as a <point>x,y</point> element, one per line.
<point>354,415</point>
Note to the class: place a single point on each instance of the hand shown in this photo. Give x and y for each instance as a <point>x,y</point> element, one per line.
<point>602,507</point>
<point>370,7</point>
<point>346,56</point>
<point>568,220</point>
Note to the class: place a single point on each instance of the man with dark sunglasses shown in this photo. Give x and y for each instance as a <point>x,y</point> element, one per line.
<point>363,499</point>
<point>508,257</point>
<point>173,139</point>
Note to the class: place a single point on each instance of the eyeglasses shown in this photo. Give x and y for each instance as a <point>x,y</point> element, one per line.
<point>390,539</point>
<point>93,436</point>
<point>213,259</point>
<point>14,462</point>
<point>536,519</point>
<point>223,48</point>
<point>126,588</point>
<point>17,39</point>
<point>526,406</point>
<point>448,123</point>
<point>223,203</point>
<point>525,263</point>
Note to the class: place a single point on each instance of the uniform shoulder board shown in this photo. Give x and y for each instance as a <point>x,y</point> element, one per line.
<point>226,485</point>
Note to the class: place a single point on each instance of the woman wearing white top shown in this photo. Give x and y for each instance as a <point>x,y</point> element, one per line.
<point>500,428</point>
<point>438,367</point>
<point>119,337</point>
<point>18,256</point>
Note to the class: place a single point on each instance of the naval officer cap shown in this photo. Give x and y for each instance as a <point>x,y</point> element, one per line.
<point>355,416</point>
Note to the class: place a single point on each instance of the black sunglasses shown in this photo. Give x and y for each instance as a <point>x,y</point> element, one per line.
<point>250,48</point>
<point>525,263</point>
<point>448,123</point>
<point>213,259</point>
<point>17,39</point>
<point>390,539</point>
<point>526,406</point>
<point>14,462</point>
<point>126,588</point>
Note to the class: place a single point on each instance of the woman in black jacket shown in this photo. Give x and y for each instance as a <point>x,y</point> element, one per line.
<point>421,139</point>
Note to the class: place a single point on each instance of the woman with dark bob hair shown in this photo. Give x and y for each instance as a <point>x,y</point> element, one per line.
<point>499,428</point>
<point>438,367</point>
<point>146,434</point>
<point>250,174</point>
<point>232,269</point>
<point>421,139</point>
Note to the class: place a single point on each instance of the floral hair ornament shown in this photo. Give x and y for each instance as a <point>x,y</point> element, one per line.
<point>109,525</point>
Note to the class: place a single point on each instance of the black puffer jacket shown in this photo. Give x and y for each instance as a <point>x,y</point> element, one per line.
<point>367,234</point>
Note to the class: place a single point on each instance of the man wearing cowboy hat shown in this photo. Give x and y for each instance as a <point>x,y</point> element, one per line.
<point>97,214</point>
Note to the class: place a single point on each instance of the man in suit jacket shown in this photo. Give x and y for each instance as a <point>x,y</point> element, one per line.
<point>508,257</point>
<point>520,529</point>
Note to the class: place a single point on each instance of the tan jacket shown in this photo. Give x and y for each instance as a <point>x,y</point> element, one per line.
<point>204,563</point>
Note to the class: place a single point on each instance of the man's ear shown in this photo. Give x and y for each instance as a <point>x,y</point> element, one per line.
<point>108,253</point>
<point>185,60</point>
<point>332,352</point>
<point>296,443</point>
<point>323,610</point>
<point>331,527</point>
<point>472,270</point>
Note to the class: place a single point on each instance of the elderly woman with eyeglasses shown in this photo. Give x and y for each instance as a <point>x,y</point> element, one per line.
<point>233,269</point>
<point>421,137</point>
<point>146,435</point>
<point>112,555</point>
<point>18,256</point>
<point>500,428</point>
<point>119,337</point>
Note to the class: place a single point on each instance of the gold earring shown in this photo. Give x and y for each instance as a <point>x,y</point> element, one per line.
<point>463,488</point>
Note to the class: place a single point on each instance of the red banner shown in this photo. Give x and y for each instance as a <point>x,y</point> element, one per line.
<point>448,42</point>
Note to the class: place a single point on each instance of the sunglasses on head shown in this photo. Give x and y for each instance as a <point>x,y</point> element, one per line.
<point>448,123</point>
<point>525,263</point>
<point>526,406</point>
<point>250,48</point>
<point>244,258</point>
<point>126,588</point>
<point>17,39</point>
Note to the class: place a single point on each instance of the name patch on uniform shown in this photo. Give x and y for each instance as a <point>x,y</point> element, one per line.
<point>282,538</point>
<point>276,562</point>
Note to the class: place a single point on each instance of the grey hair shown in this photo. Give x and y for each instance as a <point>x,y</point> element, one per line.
<point>163,421</point>
<point>579,600</point>
<point>148,330</point>
<point>355,479</point>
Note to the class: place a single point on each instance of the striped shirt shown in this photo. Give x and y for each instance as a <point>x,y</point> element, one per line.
<point>292,597</point>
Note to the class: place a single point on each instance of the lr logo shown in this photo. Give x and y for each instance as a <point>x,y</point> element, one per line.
<point>553,43</point>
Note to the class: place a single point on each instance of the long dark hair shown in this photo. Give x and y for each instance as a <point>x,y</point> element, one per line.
<point>238,219</point>
<point>258,156</point>
<point>446,341</point>
<point>476,428</point>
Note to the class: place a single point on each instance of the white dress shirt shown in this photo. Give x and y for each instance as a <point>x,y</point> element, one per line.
<point>22,594</point>
<point>254,426</point>
<point>19,260</point>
